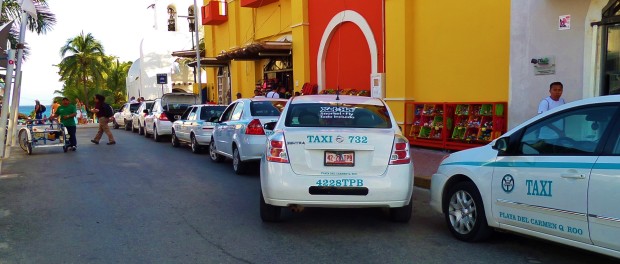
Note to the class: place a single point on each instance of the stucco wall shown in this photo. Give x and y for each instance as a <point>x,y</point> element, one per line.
<point>534,33</point>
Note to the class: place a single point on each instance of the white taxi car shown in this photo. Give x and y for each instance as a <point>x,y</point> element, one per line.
<point>195,126</point>
<point>556,177</point>
<point>329,151</point>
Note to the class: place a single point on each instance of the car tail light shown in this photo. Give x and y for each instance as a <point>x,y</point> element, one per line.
<point>400,151</point>
<point>276,149</point>
<point>163,117</point>
<point>254,128</point>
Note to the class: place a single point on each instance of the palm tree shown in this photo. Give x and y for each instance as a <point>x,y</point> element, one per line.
<point>44,22</point>
<point>84,62</point>
<point>116,79</point>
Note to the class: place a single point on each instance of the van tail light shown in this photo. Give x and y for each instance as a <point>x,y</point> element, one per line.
<point>276,149</point>
<point>254,128</point>
<point>163,117</point>
<point>400,151</point>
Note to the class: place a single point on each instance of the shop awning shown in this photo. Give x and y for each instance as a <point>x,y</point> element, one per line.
<point>187,53</point>
<point>258,51</point>
<point>209,62</point>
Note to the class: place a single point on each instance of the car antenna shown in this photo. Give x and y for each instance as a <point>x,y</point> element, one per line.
<point>338,93</point>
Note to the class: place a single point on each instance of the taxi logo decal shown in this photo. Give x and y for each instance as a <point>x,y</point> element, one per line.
<point>508,183</point>
<point>339,139</point>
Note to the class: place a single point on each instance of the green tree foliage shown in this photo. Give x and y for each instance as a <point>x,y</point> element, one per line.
<point>12,11</point>
<point>86,71</point>
<point>83,65</point>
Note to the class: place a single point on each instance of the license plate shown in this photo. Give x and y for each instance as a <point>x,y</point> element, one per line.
<point>339,158</point>
<point>340,183</point>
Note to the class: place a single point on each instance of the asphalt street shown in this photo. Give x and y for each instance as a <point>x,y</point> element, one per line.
<point>145,202</point>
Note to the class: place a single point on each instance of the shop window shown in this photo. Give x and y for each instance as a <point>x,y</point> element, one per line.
<point>610,63</point>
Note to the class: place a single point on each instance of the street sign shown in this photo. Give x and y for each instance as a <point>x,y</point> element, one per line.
<point>162,78</point>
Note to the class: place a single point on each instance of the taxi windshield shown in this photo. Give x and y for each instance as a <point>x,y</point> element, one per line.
<point>338,115</point>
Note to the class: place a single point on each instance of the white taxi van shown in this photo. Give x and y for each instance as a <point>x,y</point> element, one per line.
<point>554,177</point>
<point>336,151</point>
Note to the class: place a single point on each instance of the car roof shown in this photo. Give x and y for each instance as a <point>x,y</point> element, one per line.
<point>331,99</point>
<point>254,99</point>
<point>208,105</point>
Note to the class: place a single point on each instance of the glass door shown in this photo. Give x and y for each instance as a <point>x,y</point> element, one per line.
<point>611,74</point>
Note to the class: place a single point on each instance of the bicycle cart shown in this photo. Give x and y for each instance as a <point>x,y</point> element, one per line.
<point>36,134</point>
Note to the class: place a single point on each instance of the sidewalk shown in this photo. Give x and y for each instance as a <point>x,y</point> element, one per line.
<point>425,163</point>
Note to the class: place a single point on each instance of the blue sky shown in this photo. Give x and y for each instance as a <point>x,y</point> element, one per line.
<point>118,24</point>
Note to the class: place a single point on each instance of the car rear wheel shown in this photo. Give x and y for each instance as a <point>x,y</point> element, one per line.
<point>127,125</point>
<point>213,154</point>
<point>175,140</point>
<point>196,148</point>
<point>238,165</point>
<point>464,213</point>
<point>268,212</point>
<point>402,214</point>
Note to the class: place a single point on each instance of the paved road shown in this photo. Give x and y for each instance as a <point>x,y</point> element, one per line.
<point>145,202</point>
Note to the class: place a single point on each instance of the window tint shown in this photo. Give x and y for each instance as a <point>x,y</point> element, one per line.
<point>577,132</point>
<point>226,115</point>
<point>236,115</point>
<point>267,108</point>
<point>338,115</point>
<point>149,106</point>
<point>134,107</point>
<point>207,113</point>
<point>186,114</point>
<point>192,114</point>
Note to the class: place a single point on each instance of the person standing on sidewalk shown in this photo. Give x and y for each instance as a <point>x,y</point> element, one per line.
<point>554,99</point>
<point>104,113</point>
<point>66,115</point>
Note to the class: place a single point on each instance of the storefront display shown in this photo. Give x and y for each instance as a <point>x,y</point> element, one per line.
<point>454,126</point>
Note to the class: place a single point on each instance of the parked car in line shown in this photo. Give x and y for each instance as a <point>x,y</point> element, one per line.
<point>554,177</point>
<point>124,116</point>
<point>166,110</point>
<point>239,133</point>
<point>195,127</point>
<point>138,119</point>
<point>336,151</point>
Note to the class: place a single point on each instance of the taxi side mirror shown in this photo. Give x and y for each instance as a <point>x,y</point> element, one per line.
<point>270,125</point>
<point>501,144</point>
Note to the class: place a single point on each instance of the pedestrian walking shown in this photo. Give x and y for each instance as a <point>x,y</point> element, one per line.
<point>104,113</point>
<point>554,99</point>
<point>66,114</point>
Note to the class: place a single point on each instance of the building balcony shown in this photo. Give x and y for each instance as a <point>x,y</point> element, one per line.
<point>256,3</point>
<point>214,13</point>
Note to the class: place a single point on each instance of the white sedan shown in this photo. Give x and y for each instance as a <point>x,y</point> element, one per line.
<point>554,177</point>
<point>195,127</point>
<point>330,151</point>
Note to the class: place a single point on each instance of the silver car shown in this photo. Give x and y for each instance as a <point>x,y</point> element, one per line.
<point>138,119</point>
<point>195,127</point>
<point>239,133</point>
<point>124,116</point>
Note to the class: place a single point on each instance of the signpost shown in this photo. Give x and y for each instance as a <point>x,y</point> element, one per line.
<point>162,79</point>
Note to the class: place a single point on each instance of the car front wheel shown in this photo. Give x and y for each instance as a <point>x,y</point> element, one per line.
<point>115,125</point>
<point>213,154</point>
<point>464,213</point>
<point>196,148</point>
<point>175,140</point>
<point>127,125</point>
<point>238,165</point>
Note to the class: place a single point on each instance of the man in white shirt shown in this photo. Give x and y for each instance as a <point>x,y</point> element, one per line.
<point>553,100</point>
<point>133,100</point>
<point>273,93</point>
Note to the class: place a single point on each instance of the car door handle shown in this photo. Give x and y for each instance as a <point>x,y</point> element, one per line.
<point>572,176</point>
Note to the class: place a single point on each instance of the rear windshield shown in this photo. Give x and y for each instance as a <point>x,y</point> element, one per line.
<point>338,115</point>
<point>134,107</point>
<point>267,108</point>
<point>207,113</point>
<point>176,107</point>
